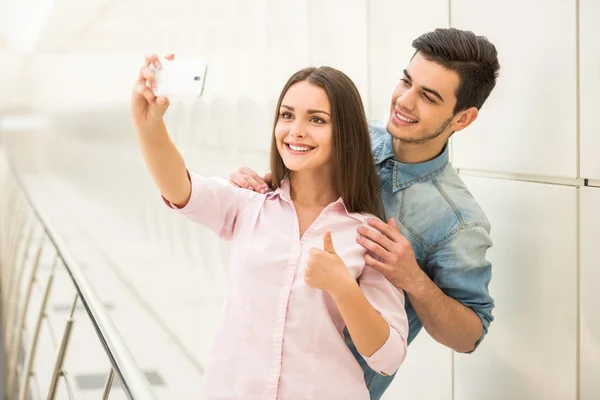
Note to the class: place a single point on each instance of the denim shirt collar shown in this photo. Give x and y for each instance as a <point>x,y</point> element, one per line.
<point>406,175</point>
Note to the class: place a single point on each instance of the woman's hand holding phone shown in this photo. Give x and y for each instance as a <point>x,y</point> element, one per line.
<point>146,107</point>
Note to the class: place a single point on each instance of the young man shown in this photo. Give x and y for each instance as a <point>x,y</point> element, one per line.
<point>435,242</point>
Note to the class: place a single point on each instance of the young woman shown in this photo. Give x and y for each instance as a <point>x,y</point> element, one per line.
<point>297,276</point>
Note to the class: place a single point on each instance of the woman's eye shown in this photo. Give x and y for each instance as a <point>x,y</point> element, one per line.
<point>286,115</point>
<point>317,120</point>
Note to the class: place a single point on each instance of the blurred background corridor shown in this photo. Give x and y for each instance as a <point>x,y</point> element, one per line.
<point>532,160</point>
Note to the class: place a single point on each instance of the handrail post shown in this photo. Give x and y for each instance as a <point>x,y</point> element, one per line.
<point>62,351</point>
<point>13,240</point>
<point>14,250</point>
<point>10,202</point>
<point>14,294</point>
<point>22,321</point>
<point>28,370</point>
<point>108,384</point>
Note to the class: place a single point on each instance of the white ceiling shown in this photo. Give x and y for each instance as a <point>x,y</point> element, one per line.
<point>131,25</point>
<point>77,33</point>
<point>68,22</point>
<point>89,51</point>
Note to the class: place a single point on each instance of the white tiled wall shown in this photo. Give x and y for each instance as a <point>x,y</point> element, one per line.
<point>529,125</point>
<point>531,349</point>
<point>426,373</point>
<point>543,342</point>
<point>590,298</point>
<point>589,12</point>
<point>338,37</point>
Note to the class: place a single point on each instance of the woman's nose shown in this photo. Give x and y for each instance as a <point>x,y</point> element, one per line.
<point>298,130</point>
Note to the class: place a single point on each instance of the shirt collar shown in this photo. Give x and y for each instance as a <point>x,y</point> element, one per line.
<point>283,191</point>
<point>406,175</point>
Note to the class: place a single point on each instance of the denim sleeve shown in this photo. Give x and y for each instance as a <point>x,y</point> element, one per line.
<point>375,133</point>
<point>461,270</point>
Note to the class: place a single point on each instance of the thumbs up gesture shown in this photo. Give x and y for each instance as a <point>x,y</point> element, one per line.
<point>325,270</point>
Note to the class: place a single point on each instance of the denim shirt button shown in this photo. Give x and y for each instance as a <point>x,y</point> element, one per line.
<point>390,163</point>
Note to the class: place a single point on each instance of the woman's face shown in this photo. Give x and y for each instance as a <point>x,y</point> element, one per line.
<point>303,131</point>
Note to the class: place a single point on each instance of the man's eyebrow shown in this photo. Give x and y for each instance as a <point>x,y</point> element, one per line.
<point>426,89</point>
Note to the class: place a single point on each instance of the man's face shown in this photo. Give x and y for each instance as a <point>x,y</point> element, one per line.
<point>423,102</point>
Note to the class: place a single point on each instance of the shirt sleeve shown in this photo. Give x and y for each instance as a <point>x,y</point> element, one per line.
<point>388,300</point>
<point>214,203</point>
<point>460,269</point>
<point>375,133</point>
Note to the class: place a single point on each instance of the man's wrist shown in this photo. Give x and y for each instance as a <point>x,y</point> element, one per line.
<point>421,287</point>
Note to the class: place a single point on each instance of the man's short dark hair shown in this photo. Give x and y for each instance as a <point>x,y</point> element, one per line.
<point>473,57</point>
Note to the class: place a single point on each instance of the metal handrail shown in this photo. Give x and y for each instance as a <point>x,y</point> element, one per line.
<point>133,381</point>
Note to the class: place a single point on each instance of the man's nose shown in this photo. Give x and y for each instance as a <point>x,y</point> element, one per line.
<point>407,100</point>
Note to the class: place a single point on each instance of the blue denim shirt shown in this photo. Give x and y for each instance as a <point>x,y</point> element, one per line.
<point>447,229</point>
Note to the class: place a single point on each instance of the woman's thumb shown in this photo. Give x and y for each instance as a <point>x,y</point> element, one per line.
<point>162,101</point>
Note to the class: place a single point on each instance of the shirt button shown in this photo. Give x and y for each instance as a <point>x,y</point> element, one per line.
<point>276,370</point>
<point>391,163</point>
<point>286,289</point>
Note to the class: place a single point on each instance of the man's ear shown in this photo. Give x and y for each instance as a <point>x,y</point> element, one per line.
<point>464,119</point>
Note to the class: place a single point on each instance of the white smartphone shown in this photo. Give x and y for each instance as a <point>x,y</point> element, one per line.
<point>180,78</point>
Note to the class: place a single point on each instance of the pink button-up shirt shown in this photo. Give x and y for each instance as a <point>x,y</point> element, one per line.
<point>280,338</point>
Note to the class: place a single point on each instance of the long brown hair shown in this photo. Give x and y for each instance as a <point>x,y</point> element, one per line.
<point>353,170</point>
